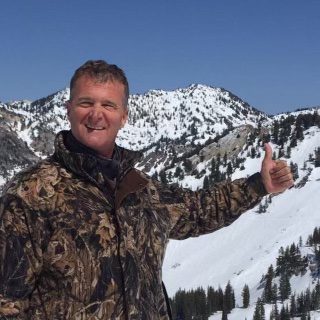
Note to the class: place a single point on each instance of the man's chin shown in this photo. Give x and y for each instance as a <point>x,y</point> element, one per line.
<point>102,149</point>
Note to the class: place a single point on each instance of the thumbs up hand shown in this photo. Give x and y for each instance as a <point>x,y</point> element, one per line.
<point>276,175</point>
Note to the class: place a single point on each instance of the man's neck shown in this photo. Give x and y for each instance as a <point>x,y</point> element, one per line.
<point>74,145</point>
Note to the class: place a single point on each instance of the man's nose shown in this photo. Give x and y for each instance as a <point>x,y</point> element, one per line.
<point>95,113</point>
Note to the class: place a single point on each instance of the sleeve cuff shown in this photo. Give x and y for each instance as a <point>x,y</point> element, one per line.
<point>255,182</point>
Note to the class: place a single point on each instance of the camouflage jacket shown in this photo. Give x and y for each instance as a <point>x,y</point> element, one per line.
<point>74,247</point>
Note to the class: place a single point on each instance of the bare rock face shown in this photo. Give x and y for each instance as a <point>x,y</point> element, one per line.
<point>14,153</point>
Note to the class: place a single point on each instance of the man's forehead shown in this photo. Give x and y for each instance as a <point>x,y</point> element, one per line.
<point>98,80</point>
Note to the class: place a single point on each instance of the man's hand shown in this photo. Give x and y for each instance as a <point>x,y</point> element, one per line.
<point>276,175</point>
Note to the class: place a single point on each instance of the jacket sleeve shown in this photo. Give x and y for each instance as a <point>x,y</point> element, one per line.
<point>20,256</point>
<point>193,213</point>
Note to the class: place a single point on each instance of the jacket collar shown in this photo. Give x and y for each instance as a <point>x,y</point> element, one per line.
<point>86,163</point>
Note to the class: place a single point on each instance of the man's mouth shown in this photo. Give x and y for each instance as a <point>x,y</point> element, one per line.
<point>91,127</point>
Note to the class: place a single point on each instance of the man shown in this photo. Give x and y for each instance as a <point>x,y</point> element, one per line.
<point>83,234</point>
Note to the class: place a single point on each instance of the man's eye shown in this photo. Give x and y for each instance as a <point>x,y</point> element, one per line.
<point>109,106</point>
<point>85,104</point>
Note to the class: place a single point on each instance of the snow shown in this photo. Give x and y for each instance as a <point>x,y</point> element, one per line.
<point>242,252</point>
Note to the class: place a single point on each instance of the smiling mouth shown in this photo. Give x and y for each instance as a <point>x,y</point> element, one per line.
<point>90,127</point>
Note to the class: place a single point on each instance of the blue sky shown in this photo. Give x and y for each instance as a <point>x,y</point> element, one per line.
<point>267,52</point>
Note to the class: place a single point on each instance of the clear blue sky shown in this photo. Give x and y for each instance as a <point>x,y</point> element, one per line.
<point>267,52</point>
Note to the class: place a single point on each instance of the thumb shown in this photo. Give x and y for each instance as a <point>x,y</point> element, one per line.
<point>268,152</point>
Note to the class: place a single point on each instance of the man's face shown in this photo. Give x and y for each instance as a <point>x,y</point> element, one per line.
<point>96,113</point>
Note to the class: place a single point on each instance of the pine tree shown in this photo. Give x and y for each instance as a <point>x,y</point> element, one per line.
<point>293,306</point>
<point>163,177</point>
<point>228,301</point>
<point>274,315</point>
<point>299,130</point>
<point>206,183</point>
<point>268,294</point>
<point>304,316</point>
<point>316,296</point>
<point>224,315</point>
<point>307,299</point>
<point>225,159</point>
<point>187,165</point>
<point>262,208</point>
<point>200,304</point>
<point>284,286</point>
<point>275,132</point>
<point>295,170</point>
<point>317,157</point>
<point>211,300</point>
<point>245,296</point>
<point>284,313</point>
<point>275,291</point>
<point>220,299</point>
<point>288,154</point>
<point>259,312</point>
<point>253,153</point>
<point>229,169</point>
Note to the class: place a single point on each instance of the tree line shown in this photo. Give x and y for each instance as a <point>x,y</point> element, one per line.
<point>199,304</point>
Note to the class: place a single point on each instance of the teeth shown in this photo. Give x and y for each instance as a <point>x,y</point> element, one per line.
<point>94,127</point>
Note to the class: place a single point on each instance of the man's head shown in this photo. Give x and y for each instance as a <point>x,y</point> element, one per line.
<point>97,108</point>
<point>101,72</point>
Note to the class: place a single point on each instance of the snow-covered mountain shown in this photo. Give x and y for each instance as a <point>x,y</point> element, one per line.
<point>194,137</point>
<point>242,252</point>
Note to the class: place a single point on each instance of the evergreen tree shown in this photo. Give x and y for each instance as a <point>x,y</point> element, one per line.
<point>288,154</point>
<point>293,140</point>
<point>262,208</point>
<point>155,175</point>
<point>245,296</point>
<point>225,159</point>
<point>275,291</point>
<point>284,313</point>
<point>299,130</point>
<point>284,286</point>
<point>229,300</point>
<point>268,294</point>
<point>293,306</point>
<point>224,315</point>
<point>316,296</point>
<point>274,315</point>
<point>229,169</point>
<point>220,299</point>
<point>253,152</point>
<point>307,299</point>
<point>295,170</point>
<point>206,183</point>
<point>300,242</point>
<point>281,152</point>
<point>211,300</point>
<point>187,165</point>
<point>200,305</point>
<point>304,316</point>
<point>163,177</point>
<point>275,132</point>
<point>259,312</point>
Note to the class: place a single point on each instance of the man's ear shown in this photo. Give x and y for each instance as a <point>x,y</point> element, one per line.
<point>124,118</point>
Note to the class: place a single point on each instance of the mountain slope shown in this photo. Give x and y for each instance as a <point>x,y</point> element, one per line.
<point>242,252</point>
<point>197,136</point>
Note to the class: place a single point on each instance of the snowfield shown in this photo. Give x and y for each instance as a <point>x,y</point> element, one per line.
<point>242,252</point>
